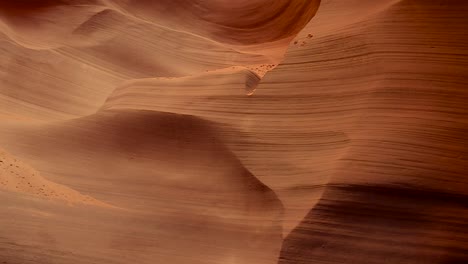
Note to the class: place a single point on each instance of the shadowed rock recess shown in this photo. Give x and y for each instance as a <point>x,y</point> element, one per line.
<point>232,132</point>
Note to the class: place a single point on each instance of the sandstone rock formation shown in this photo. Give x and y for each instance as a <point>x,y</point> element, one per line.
<point>220,131</point>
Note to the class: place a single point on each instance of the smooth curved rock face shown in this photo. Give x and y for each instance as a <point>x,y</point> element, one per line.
<point>234,22</point>
<point>233,131</point>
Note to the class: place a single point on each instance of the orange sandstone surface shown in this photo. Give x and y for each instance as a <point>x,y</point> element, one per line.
<point>206,132</point>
